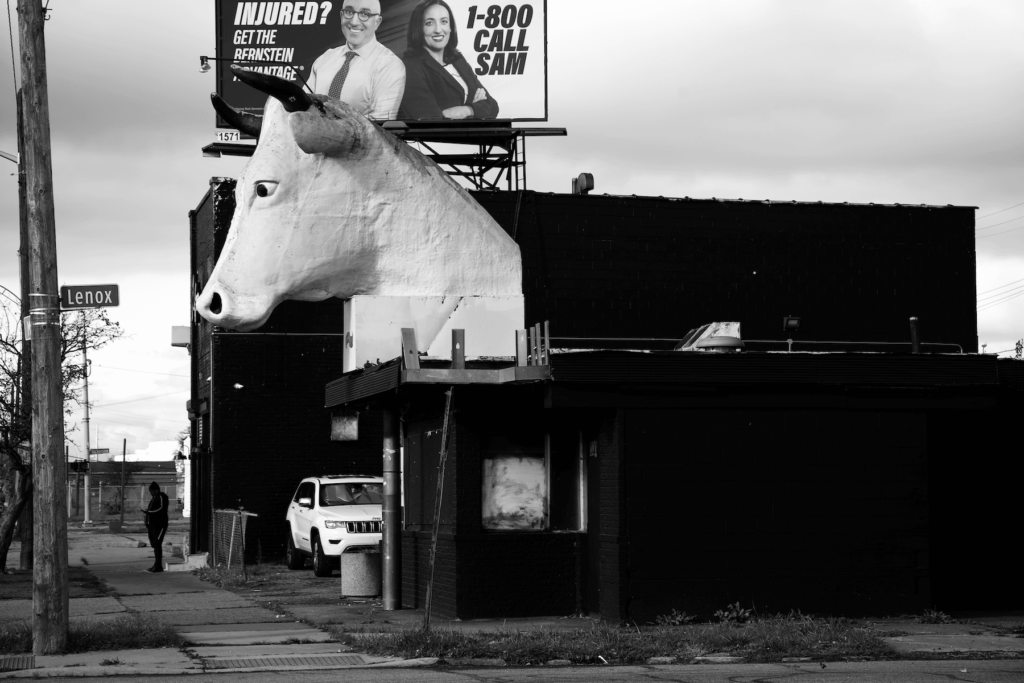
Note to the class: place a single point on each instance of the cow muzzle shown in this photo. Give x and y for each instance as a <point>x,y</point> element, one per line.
<point>225,309</point>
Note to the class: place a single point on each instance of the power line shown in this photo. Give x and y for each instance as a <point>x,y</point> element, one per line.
<point>139,416</point>
<point>144,398</point>
<point>1001,233</point>
<point>996,225</point>
<point>146,372</point>
<point>989,304</point>
<point>1000,287</point>
<point>1001,210</point>
<point>129,424</point>
<point>10,32</point>
<point>999,294</point>
<point>993,304</point>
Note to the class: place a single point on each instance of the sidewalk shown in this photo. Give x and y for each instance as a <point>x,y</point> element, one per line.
<point>233,633</point>
<point>228,632</point>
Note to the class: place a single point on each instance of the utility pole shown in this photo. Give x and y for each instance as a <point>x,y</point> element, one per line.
<point>124,454</point>
<point>50,573</point>
<point>25,522</point>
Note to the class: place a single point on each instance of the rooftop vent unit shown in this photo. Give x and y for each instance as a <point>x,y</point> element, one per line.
<point>713,337</point>
<point>583,184</point>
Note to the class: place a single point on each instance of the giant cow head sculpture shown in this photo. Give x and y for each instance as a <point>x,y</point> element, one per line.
<point>332,205</point>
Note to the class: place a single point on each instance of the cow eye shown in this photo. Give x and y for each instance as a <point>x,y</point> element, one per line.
<point>265,188</point>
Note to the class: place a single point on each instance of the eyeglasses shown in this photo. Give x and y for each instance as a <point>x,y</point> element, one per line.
<point>348,13</point>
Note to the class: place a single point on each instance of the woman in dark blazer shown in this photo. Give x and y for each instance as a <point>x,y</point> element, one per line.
<point>439,83</point>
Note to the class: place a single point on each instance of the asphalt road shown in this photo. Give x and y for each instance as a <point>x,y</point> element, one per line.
<point>989,671</point>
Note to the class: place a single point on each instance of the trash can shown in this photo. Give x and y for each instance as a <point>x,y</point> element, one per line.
<point>360,575</point>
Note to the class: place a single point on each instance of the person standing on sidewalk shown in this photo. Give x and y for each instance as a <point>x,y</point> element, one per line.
<point>156,524</point>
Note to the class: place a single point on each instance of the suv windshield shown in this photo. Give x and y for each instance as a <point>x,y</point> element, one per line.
<point>351,494</point>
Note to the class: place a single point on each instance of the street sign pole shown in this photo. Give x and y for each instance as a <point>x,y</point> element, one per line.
<point>85,420</point>
<point>82,297</point>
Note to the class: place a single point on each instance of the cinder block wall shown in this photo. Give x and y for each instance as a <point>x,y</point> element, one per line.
<point>821,511</point>
<point>607,266</point>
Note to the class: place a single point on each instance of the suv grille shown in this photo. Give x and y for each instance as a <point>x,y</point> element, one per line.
<point>363,527</point>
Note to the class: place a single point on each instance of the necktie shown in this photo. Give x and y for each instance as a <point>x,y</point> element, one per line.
<point>339,78</point>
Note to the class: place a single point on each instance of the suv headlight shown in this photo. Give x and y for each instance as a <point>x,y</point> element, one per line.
<point>331,524</point>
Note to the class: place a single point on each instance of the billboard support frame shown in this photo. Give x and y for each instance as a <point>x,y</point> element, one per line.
<point>500,157</point>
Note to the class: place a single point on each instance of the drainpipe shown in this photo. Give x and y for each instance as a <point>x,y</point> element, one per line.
<point>915,340</point>
<point>391,560</point>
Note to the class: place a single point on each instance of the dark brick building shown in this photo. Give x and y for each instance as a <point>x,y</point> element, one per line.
<point>825,482</point>
<point>827,495</point>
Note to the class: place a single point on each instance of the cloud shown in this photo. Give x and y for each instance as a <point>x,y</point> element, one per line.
<point>910,101</point>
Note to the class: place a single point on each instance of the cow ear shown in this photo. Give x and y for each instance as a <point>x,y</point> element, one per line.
<point>316,133</point>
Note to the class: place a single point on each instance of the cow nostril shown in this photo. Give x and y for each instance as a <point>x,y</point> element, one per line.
<point>215,304</point>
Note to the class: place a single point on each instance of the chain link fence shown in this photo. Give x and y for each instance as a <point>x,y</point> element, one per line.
<point>229,537</point>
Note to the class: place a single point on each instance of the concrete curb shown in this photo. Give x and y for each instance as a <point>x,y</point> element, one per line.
<point>16,662</point>
<point>97,672</point>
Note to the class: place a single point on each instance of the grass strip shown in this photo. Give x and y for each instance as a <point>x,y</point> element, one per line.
<point>128,632</point>
<point>761,640</point>
<point>234,579</point>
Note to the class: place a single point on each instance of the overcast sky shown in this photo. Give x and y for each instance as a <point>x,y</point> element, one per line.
<point>910,101</point>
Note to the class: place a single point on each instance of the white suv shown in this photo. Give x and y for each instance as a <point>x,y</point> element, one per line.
<point>331,515</point>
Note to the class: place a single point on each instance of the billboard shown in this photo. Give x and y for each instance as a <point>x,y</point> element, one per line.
<point>501,74</point>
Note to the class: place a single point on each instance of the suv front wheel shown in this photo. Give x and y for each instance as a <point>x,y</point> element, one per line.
<point>292,555</point>
<point>321,565</point>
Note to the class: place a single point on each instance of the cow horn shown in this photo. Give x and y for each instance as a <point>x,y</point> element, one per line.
<point>291,94</point>
<point>250,124</point>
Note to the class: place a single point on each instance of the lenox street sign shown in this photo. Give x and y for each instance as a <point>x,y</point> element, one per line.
<point>88,296</point>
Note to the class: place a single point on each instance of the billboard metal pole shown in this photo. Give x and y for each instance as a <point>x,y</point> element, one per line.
<point>50,573</point>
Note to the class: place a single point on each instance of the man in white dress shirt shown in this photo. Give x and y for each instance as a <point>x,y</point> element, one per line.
<point>362,72</point>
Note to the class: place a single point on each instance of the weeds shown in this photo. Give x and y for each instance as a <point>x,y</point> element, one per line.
<point>761,640</point>
<point>111,662</point>
<point>674,619</point>
<point>733,614</point>
<point>934,616</point>
<point>128,632</point>
<point>223,577</point>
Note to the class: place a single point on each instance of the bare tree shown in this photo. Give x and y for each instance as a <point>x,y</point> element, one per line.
<point>90,329</point>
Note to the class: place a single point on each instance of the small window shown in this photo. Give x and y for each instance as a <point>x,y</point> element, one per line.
<point>515,493</point>
<point>515,481</point>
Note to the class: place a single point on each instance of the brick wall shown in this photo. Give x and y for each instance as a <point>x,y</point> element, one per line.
<point>416,573</point>
<point>610,534</point>
<point>208,228</point>
<point>653,267</point>
<point>478,574</point>
<point>974,505</point>
<point>505,574</point>
<point>270,431</point>
<point>271,428</point>
<point>517,574</point>
<point>813,510</point>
